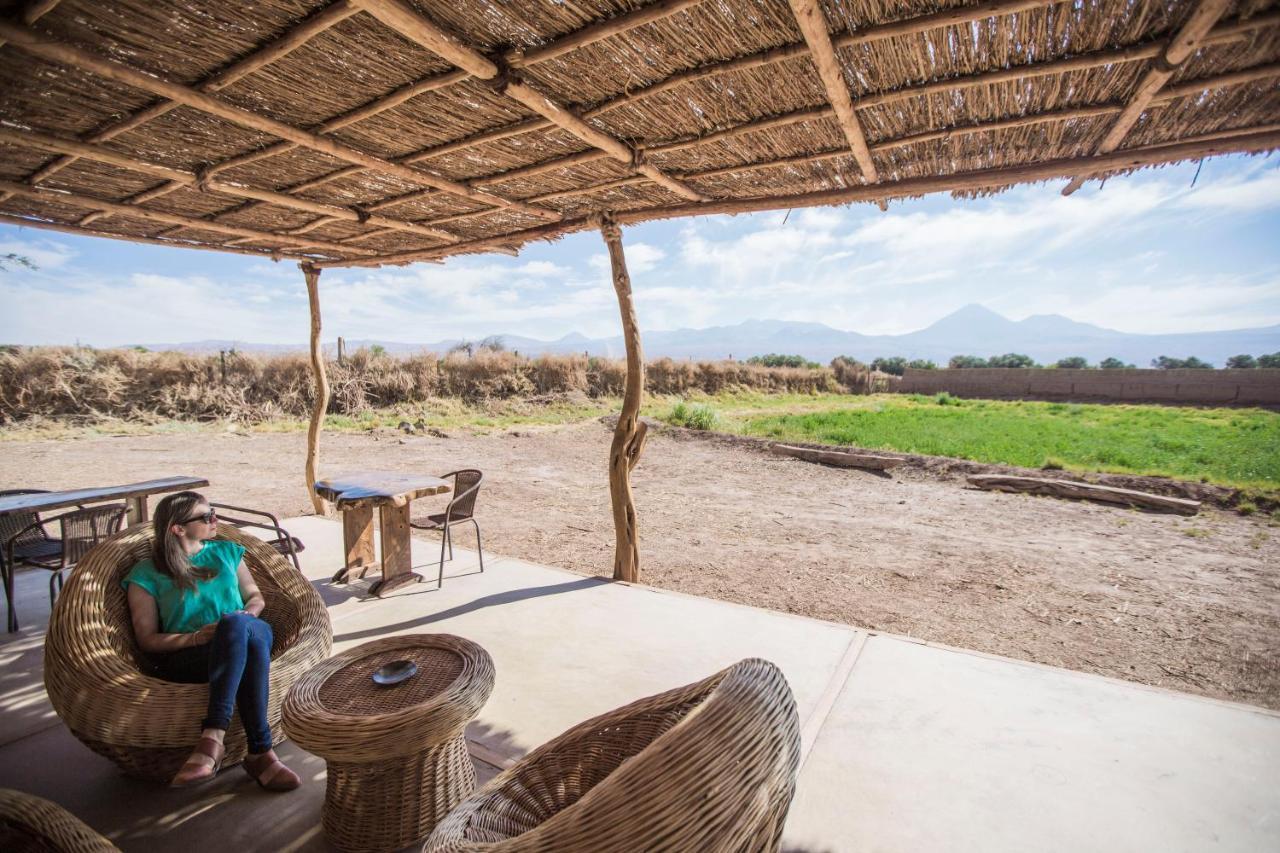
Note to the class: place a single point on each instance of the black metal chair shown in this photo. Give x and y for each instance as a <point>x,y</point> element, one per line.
<point>30,540</point>
<point>287,545</point>
<point>461,508</point>
<point>80,530</point>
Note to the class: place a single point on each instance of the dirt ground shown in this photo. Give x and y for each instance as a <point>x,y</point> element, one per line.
<point>1192,604</point>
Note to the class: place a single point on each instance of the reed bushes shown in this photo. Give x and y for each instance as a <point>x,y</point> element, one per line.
<point>90,384</point>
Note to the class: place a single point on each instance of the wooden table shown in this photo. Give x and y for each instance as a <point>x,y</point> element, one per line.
<point>392,493</point>
<point>134,494</point>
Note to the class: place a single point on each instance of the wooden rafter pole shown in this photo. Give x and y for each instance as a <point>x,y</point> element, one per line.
<point>272,51</point>
<point>81,231</point>
<point>96,204</point>
<point>34,11</point>
<point>321,402</point>
<point>402,18</point>
<point>182,178</point>
<point>813,25</point>
<point>629,434</point>
<point>1181,47</point>
<point>1240,140</point>
<point>40,45</point>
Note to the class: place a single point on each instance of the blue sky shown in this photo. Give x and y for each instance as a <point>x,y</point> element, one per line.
<point>1146,253</point>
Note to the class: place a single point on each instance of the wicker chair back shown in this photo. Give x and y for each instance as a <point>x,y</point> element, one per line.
<point>709,767</point>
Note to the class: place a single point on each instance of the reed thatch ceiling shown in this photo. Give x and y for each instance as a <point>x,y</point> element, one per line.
<point>362,132</point>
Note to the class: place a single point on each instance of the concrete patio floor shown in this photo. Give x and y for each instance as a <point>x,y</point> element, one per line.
<point>907,746</point>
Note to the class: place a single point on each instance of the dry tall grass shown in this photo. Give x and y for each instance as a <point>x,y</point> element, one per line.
<point>90,384</point>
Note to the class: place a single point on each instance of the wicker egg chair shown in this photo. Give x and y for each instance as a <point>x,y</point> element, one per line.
<point>31,824</point>
<point>707,767</point>
<point>102,687</point>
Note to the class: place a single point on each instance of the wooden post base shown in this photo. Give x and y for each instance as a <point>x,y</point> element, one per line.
<point>357,541</point>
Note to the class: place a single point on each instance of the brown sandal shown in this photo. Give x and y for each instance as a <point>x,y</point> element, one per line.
<point>194,770</point>
<point>270,773</point>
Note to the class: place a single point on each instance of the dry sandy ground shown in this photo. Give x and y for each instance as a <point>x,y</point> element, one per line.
<point>1187,603</point>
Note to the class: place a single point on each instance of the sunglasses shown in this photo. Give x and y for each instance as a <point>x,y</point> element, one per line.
<point>207,517</point>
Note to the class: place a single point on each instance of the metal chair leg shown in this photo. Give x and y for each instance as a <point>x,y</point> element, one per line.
<point>443,540</point>
<point>53,588</point>
<point>11,620</point>
<point>449,537</point>
<point>479,549</point>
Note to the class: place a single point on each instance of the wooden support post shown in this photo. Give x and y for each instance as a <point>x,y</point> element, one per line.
<point>312,275</point>
<point>629,435</point>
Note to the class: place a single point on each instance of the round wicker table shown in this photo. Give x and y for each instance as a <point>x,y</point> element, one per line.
<point>397,758</point>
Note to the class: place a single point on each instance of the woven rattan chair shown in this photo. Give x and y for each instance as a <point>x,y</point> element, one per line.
<point>707,767</point>
<point>461,509</point>
<point>21,536</point>
<point>31,824</point>
<point>80,530</point>
<point>98,679</point>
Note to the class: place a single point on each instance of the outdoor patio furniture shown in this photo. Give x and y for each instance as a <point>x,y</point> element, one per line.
<point>21,536</point>
<point>135,495</point>
<point>709,767</point>
<point>286,544</point>
<point>461,508</point>
<point>396,754</point>
<point>100,683</point>
<point>79,531</point>
<point>31,824</point>
<point>391,492</point>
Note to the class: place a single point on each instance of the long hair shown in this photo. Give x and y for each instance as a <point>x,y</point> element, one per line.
<point>167,553</point>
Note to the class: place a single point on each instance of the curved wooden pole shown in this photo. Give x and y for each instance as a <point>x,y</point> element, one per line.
<point>312,276</point>
<point>629,435</point>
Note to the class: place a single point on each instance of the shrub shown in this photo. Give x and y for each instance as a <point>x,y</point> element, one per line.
<point>778,360</point>
<point>961,361</point>
<point>1011,359</point>
<point>1074,362</point>
<point>1239,361</point>
<point>1271,359</point>
<point>694,416</point>
<point>895,365</point>
<point>1165,362</point>
<point>944,398</point>
<point>1113,364</point>
<point>922,364</point>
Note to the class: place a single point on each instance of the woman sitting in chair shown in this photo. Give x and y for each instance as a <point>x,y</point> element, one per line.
<point>195,611</point>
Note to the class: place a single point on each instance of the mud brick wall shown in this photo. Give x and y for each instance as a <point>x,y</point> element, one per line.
<point>1257,387</point>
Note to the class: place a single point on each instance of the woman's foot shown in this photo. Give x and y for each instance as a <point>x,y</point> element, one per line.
<point>203,764</point>
<point>269,771</point>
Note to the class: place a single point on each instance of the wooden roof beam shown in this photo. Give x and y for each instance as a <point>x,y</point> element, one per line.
<point>38,44</point>
<point>404,20</point>
<point>81,231</point>
<point>1221,35</point>
<point>181,178</point>
<point>76,200</point>
<point>515,58</point>
<point>813,25</point>
<point>1181,47</point>
<point>34,11</point>
<point>1242,140</point>
<point>274,50</point>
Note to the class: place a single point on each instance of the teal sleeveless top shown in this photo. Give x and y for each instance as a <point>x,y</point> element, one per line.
<point>183,611</point>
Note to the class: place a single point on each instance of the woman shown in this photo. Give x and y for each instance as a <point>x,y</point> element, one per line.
<point>195,612</point>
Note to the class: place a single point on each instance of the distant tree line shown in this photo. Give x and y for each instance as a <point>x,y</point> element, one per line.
<point>897,365</point>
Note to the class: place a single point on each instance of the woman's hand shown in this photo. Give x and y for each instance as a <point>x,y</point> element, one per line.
<point>204,635</point>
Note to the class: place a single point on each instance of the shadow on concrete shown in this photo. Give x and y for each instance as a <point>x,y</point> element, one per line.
<point>495,600</point>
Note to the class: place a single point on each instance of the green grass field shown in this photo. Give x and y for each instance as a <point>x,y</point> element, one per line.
<point>1231,447</point>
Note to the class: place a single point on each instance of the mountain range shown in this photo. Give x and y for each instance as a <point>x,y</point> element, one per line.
<point>971,330</point>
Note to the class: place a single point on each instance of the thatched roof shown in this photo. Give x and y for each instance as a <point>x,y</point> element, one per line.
<point>382,131</point>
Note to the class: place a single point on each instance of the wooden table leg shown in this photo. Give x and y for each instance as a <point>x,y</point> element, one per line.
<point>136,511</point>
<point>357,540</point>
<point>397,564</point>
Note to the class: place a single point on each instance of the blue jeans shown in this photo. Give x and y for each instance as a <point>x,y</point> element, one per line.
<point>237,666</point>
